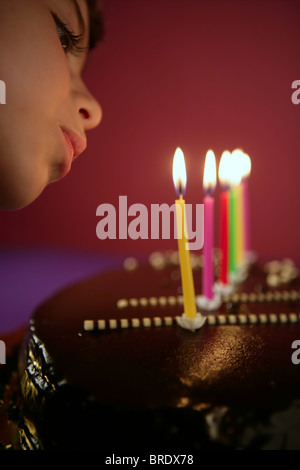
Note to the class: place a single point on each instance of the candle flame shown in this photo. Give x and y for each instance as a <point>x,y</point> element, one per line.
<point>224,168</point>
<point>236,167</point>
<point>179,172</point>
<point>210,173</point>
<point>246,166</point>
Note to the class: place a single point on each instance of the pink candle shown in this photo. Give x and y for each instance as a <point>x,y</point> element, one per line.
<point>209,183</point>
<point>245,196</point>
<point>208,261</point>
<point>246,214</point>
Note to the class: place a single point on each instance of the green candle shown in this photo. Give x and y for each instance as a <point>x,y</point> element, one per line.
<point>234,213</point>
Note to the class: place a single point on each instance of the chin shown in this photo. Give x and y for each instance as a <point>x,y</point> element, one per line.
<point>18,200</point>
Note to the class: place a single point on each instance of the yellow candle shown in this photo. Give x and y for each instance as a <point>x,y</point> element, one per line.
<point>179,178</point>
<point>242,168</point>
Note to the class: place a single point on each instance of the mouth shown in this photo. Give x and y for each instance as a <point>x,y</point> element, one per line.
<point>75,144</point>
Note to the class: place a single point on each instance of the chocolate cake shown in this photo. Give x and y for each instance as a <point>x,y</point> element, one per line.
<point>106,366</point>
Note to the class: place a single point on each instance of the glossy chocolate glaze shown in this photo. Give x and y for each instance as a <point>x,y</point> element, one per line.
<point>223,385</point>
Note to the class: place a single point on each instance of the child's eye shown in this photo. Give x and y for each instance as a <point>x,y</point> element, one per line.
<point>69,41</point>
<point>64,37</point>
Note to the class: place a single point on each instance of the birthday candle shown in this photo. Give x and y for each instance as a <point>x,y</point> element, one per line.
<point>179,178</point>
<point>232,230</point>
<point>239,163</point>
<point>209,184</point>
<point>234,219</point>
<point>224,203</point>
<point>246,211</point>
<point>239,226</point>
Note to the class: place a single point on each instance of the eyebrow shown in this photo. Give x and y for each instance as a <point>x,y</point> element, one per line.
<point>78,14</point>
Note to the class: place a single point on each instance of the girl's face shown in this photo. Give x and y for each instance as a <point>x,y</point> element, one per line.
<point>48,109</point>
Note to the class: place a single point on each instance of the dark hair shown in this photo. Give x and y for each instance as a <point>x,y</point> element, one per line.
<point>96,22</point>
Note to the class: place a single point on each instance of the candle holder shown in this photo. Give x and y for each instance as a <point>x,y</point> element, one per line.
<point>209,304</point>
<point>251,257</point>
<point>240,274</point>
<point>191,323</point>
<point>223,289</point>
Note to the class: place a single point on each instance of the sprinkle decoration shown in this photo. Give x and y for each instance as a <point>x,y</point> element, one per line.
<point>268,296</point>
<point>147,322</point>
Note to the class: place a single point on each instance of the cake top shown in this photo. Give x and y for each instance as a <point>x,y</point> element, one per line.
<point>114,335</point>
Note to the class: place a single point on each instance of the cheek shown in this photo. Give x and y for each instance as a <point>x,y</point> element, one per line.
<point>38,76</point>
<point>20,182</point>
<point>46,83</point>
<point>37,84</point>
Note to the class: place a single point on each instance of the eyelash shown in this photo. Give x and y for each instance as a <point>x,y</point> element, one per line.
<point>74,40</point>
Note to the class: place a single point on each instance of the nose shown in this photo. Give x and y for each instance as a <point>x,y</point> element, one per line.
<point>87,106</point>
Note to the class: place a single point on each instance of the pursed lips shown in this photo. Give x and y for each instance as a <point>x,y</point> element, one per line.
<point>76,142</point>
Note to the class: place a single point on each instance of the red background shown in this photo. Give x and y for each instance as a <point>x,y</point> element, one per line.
<point>195,74</point>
